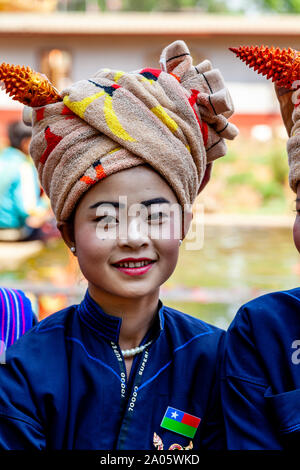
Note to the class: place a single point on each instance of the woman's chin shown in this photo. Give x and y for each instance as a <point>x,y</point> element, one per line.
<point>136,292</point>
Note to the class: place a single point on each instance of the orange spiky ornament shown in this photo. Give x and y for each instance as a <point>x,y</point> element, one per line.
<point>282,65</point>
<point>27,86</point>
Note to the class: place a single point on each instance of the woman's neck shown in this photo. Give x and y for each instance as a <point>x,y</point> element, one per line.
<point>137,314</point>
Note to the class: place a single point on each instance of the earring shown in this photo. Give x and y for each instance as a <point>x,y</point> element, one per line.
<point>180,242</point>
<point>73,249</point>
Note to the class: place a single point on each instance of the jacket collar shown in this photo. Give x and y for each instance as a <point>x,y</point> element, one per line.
<point>108,326</point>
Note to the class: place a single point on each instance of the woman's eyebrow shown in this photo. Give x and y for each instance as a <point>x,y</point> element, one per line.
<point>106,203</point>
<point>157,200</point>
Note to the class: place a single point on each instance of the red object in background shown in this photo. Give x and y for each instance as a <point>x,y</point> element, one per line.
<point>27,86</point>
<point>281,65</point>
<point>245,121</point>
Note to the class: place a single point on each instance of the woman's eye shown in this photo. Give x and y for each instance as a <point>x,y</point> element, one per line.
<point>157,217</point>
<point>106,219</point>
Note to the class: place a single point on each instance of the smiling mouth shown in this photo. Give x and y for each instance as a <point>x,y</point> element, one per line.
<point>133,264</point>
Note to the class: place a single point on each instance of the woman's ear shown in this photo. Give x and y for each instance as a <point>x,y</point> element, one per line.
<point>67,232</point>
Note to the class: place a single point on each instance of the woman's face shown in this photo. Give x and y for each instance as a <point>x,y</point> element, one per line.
<point>125,232</point>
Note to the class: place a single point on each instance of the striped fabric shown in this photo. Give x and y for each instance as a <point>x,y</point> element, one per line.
<point>16,316</point>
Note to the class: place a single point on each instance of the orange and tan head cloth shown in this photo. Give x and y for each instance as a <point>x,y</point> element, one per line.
<point>173,118</point>
<point>293,144</point>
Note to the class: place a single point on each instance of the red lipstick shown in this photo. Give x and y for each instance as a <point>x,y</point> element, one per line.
<point>134,266</point>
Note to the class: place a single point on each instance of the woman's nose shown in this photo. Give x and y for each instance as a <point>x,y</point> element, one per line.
<point>135,235</point>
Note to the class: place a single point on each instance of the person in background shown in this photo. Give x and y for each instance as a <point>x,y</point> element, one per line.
<point>16,317</point>
<point>22,207</point>
<point>261,374</point>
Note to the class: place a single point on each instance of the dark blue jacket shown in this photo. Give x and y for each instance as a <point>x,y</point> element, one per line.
<point>64,384</point>
<point>261,384</point>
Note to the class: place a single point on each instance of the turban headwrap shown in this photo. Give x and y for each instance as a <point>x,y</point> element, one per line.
<point>173,119</point>
<point>293,144</point>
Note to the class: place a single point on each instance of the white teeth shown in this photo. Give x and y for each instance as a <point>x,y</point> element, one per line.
<point>132,264</point>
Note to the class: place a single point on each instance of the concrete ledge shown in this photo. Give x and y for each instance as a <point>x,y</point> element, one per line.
<point>134,23</point>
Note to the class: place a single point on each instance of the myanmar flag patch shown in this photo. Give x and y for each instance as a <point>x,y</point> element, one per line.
<point>180,422</point>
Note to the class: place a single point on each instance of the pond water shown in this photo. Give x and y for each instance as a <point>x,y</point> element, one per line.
<point>235,264</point>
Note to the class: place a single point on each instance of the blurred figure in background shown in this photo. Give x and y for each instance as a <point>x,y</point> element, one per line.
<point>16,317</point>
<point>23,209</point>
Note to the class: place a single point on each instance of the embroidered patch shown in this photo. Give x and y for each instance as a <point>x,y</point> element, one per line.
<point>158,444</point>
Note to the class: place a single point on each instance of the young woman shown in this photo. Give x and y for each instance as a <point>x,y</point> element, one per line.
<point>261,385</point>
<point>121,370</point>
